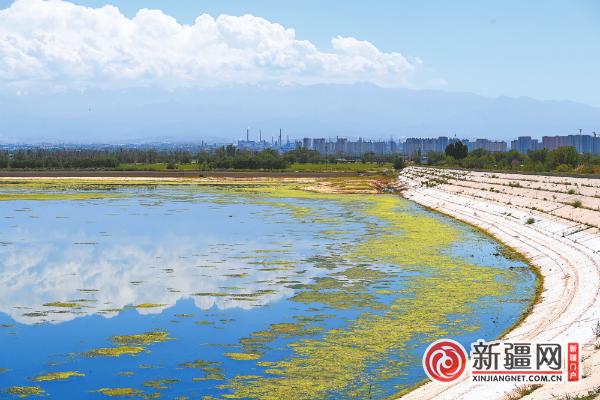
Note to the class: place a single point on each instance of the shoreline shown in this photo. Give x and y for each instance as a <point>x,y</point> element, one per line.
<point>568,302</point>
<point>176,174</point>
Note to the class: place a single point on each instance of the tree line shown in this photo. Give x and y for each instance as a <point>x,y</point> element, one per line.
<point>562,159</point>
<point>225,157</point>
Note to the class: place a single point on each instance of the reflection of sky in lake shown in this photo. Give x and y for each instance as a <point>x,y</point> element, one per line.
<point>149,253</point>
<point>208,266</point>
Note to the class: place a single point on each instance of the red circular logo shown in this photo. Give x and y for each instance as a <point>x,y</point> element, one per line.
<point>445,360</point>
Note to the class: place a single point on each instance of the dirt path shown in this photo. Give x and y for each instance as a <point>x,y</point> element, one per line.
<point>564,250</point>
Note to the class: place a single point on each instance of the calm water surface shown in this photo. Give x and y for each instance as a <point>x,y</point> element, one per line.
<point>179,283</point>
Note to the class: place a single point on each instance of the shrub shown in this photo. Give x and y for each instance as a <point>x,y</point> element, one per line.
<point>563,168</point>
<point>399,163</point>
<point>530,221</point>
<point>576,204</point>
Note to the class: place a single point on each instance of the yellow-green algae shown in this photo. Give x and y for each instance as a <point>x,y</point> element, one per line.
<point>148,305</point>
<point>60,304</point>
<point>120,392</point>
<point>445,286</point>
<point>199,364</point>
<point>254,344</point>
<point>57,376</point>
<point>130,344</point>
<point>26,391</point>
<point>161,384</point>
<point>142,338</point>
<point>54,196</point>
<point>115,351</point>
<point>243,356</point>
<point>210,377</point>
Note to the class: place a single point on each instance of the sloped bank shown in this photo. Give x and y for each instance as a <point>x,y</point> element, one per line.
<point>565,248</point>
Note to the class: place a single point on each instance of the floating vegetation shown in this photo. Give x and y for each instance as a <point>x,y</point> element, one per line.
<point>57,376</point>
<point>343,297</point>
<point>54,196</point>
<point>446,286</point>
<point>142,338</point>
<point>148,305</point>
<point>199,364</point>
<point>121,392</point>
<point>242,356</point>
<point>61,305</point>
<point>130,344</point>
<point>242,275</point>
<point>26,391</point>
<point>3,370</point>
<point>35,314</point>
<point>115,351</point>
<point>160,384</point>
<point>210,377</point>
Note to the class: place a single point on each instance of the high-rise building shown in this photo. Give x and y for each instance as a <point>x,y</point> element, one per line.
<point>492,146</point>
<point>582,143</point>
<point>319,145</point>
<point>441,144</point>
<point>525,143</point>
<point>307,143</point>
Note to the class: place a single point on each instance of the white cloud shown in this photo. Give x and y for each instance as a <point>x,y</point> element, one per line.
<point>57,44</point>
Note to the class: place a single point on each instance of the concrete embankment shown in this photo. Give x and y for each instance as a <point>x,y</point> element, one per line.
<point>553,221</point>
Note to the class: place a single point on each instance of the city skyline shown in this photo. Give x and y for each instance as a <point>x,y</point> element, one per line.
<point>413,147</point>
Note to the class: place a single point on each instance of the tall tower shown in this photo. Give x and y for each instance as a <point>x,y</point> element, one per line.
<point>247,134</point>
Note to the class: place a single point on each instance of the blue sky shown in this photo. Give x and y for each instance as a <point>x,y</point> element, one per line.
<point>542,49</point>
<point>141,68</point>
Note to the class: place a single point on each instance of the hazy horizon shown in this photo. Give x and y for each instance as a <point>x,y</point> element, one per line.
<point>88,71</point>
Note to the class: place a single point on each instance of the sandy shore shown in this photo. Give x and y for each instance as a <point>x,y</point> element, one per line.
<point>562,240</point>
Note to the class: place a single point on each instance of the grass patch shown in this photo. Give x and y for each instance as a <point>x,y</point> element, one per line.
<point>340,167</point>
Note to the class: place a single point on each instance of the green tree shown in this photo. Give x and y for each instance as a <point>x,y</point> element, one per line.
<point>457,150</point>
<point>435,158</point>
<point>399,163</point>
<point>563,155</point>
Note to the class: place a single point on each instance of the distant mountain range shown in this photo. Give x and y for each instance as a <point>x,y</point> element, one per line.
<point>316,111</point>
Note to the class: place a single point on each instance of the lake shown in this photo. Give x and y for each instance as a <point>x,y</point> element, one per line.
<point>259,291</point>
